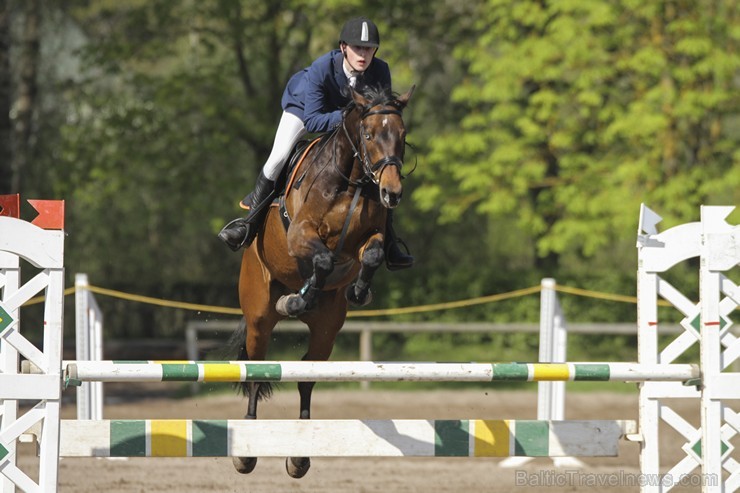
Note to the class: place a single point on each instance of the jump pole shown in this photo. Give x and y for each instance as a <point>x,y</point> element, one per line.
<point>352,371</point>
<point>342,438</point>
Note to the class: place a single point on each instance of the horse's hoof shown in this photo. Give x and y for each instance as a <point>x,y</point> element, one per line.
<point>290,305</point>
<point>355,300</point>
<point>297,467</point>
<point>244,465</point>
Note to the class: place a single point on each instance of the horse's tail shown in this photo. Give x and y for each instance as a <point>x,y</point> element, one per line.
<point>238,346</point>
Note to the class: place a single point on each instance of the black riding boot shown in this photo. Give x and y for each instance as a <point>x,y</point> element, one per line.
<point>395,258</point>
<point>241,232</point>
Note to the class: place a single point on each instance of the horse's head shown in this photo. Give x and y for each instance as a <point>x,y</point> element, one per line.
<point>381,140</point>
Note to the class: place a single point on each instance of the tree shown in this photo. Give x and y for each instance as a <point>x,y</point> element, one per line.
<point>6,155</point>
<point>579,111</point>
<point>164,132</point>
<point>18,98</point>
<point>26,98</point>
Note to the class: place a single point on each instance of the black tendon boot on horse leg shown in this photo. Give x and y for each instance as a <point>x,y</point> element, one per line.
<point>395,258</point>
<point>241,232</point>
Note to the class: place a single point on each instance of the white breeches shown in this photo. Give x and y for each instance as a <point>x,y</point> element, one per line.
<point>289,131</point>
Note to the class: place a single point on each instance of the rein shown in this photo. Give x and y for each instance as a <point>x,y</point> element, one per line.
<point>369,169</point>
<point>345,228</point>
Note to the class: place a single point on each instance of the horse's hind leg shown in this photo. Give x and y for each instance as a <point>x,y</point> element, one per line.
<point>324,324</point>
<point>371,257</point>
<point>258,333</point>
<point>297,467</point>
<point>255,392</point>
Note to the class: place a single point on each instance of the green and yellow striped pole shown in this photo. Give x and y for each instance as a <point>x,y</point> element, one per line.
<point>342,438</point>
<point>352,371</point>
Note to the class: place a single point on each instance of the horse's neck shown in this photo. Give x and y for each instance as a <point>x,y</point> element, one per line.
<point>348,147</point>
<point>330,164</point>
<point>334,167</point>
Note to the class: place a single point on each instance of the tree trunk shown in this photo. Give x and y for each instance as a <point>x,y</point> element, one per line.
<point>6,154</point>
<point>25,103</point>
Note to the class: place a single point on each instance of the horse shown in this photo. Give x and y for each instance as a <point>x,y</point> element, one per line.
<point>318,251</point>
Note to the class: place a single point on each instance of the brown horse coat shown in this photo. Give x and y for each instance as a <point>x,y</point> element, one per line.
<point>334,243</point>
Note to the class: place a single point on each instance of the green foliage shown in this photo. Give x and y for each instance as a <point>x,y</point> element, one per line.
<point>539,127</point>
<point>579,111</point>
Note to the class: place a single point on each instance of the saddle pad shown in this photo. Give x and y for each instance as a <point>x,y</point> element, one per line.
<point>296,168</point>
<point>294,163</point>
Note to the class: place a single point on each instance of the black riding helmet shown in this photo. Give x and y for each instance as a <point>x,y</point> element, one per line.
<point>360,31</point>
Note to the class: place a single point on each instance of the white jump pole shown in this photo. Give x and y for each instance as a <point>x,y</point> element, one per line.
<point>355,371</point>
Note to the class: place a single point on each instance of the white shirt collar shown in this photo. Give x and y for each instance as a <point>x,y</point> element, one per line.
<point>351,76</point>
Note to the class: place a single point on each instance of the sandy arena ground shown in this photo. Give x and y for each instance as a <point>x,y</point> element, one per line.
<point>334,475</point>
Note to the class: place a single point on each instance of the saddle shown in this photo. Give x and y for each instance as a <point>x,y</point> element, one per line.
<point>289,178</point>
<point>292,176</point>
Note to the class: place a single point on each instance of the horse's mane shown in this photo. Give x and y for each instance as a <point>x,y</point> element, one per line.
<point>376,95</point>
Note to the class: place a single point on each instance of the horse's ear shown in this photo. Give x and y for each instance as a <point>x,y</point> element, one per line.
<point>358,98</point>
<point>404,100</point>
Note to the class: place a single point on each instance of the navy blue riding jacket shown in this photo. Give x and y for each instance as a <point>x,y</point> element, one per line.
<point>315,93</point>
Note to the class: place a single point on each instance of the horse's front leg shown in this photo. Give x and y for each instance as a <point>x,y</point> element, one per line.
<point>304,244</point>
<point>371,258</point>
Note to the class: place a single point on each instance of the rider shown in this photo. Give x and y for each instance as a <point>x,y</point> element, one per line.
<point>312,102</point>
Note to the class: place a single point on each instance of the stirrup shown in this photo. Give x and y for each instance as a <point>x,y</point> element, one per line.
<point>223,235</point>
<point>398,266</point>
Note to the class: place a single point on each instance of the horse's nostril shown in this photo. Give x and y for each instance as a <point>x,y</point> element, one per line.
<point>390,199</point>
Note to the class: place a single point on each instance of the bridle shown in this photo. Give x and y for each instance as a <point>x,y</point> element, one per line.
<point>370,169</point>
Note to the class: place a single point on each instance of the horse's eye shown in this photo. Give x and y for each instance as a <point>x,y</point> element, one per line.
<point>367,136</point>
